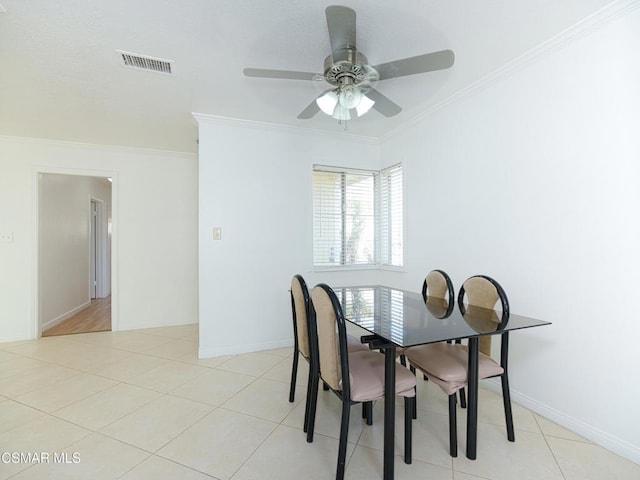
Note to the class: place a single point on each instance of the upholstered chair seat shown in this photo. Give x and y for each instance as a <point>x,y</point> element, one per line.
<point>449,365</point>
<point>366,374</point>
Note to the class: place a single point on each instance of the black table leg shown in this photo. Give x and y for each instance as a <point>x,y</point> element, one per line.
<point>472,403</point>
<point>389,411</point>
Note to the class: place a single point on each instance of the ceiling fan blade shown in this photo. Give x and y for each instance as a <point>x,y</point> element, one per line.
<point>281,74</point>
<point>418,64</point>
<point>341,22</point>
<point>383,104</point>
<point>310,111</point>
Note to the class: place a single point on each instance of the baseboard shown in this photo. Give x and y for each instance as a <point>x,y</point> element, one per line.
<point>53,322</point>
<point>610,442</point>
<point>144,326</point>
<point>209,351</point>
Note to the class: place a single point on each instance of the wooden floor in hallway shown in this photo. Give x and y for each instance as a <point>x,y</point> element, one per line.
<point>95,318</point>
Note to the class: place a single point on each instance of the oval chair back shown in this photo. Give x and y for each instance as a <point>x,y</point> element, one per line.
<point>483,292</point>
<point>438,293</point>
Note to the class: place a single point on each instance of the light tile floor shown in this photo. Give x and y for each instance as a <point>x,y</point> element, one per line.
<point>140,405</point>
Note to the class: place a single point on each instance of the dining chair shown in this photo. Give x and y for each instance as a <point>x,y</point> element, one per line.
<point>447,364</point>
<point>438,295</point>
<point>305,343</point>
<point>302,325</point>
<point>354,377</point>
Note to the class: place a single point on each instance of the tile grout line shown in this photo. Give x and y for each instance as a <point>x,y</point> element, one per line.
<point>553,454</point>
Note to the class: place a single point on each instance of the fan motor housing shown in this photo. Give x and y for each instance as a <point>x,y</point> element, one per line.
<point>347,65</point>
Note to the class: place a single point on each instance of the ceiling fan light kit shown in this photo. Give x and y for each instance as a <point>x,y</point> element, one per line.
<point>343,99</point>
<point>351,77</point>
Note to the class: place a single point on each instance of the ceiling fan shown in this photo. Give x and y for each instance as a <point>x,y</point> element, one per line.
<point>349,74</point>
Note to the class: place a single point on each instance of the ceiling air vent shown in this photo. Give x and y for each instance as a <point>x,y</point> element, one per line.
<point>143,62</point>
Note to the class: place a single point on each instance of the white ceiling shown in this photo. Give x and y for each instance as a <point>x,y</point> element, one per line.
<point>61,78</point>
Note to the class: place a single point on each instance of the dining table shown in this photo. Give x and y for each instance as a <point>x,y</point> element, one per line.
<point>396,318</point>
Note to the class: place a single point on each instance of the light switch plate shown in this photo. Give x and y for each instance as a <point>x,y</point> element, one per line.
<point>217,233</point>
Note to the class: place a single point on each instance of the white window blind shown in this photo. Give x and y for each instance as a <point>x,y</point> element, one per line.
<point>357,217</point>
<point>344,217</point>
<point>391,216</point>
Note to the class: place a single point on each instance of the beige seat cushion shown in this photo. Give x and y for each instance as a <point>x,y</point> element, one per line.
<point>447,365</point>
<point>366,371</point>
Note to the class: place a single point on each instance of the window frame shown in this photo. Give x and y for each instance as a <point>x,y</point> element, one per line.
<point>380,262</point>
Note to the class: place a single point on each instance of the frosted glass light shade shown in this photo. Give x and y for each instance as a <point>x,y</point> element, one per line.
<point>328,102</point>
<point>341,113</point>
<point>350,96</point>
<point>364,106</point>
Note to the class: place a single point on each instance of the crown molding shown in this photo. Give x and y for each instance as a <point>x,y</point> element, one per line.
<point>586,26</point>
<point>204,118</point>
<point>94,146</point>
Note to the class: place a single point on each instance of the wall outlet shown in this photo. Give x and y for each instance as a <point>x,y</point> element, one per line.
<point>6,237</point>
<point>217,233</point>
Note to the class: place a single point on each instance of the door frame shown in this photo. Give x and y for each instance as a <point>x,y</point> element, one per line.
<point>100,247</point>
<point>36,327</point>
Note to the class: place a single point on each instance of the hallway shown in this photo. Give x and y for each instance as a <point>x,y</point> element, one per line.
<point>94,318</point>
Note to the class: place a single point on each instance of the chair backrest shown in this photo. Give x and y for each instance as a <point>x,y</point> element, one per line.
<point>438,293</point>
<point>484,292</point>
<point>332,338</point>
<point>300,307</point>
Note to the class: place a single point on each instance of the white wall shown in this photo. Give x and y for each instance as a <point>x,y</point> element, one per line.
<point>256,183</point>
<point>64,228</point>
<point>534,181</point>
<point>155,231</point>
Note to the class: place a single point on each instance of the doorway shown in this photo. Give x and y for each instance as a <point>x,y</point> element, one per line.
<point>74,253</point>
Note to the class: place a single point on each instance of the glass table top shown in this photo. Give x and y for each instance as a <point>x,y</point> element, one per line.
<point>404,319</point>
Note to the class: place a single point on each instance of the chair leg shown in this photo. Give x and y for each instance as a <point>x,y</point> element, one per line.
<point>308,402</point>
<point>453,426</point>
<point>344,433</point>
<point>367,412</point>
<point>294,374</point>
<point>403,360</point>
<point>409,409</point>
<point>312,402</point>
<point>414,405</point>
<point>508,414</point>
<point>463,398</point>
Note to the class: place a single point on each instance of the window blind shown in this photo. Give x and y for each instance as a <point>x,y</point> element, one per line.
<point>391,216</point>
<point>344,214</point>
